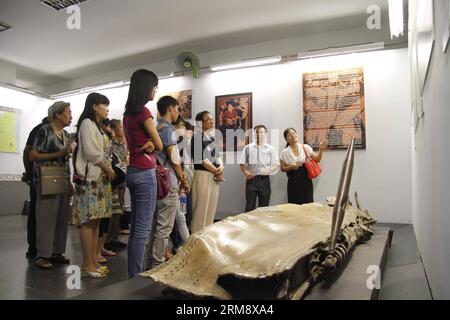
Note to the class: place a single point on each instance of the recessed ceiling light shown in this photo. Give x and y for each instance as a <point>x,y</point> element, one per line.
<point>61,4</point>
<point>4,26</point>
<point>396,18</point>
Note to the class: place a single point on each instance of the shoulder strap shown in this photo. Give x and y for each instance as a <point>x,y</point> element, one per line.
<point>75,155</point>
<point>161,125</point>
<point>307,155</point>
<point>64,132</point>
<point>164,163</point>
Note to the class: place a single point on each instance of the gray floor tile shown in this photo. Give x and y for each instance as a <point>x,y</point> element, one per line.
<point>407,282</point>
<point>10,291</point>
<point>404,248</point>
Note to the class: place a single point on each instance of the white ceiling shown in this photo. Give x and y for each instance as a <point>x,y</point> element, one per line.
<point>118,34</point>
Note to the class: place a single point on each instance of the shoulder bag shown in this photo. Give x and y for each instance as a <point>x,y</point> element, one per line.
<point>54,178</point>
<point>162,176</point>
<point>311,165</point>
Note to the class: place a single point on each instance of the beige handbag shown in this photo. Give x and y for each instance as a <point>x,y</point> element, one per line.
<point>54,180</point>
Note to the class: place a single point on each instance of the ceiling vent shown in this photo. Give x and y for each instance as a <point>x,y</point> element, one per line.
<point>61,4</point>
<point>4,26</point>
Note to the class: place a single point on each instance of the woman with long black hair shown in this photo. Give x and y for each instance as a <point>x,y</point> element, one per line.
<point>93,172</point>
<point>142,139</point>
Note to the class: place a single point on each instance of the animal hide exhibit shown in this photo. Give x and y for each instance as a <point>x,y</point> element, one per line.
<point>270,253</point>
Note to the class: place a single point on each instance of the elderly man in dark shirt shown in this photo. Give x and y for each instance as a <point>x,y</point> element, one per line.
<point>28,178</point>
<point>119,153</point>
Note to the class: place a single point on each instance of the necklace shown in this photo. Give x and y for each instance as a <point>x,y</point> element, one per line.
<point>295,150</point>
<point>58,133</point>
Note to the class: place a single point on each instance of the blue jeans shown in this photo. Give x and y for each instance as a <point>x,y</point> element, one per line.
<point>142,186</point>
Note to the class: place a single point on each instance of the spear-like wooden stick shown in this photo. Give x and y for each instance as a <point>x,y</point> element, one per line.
<point>342,195</point>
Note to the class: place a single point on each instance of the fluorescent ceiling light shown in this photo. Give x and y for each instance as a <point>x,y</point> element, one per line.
<point>396,18</point>
<point>247,64</point>
<point>111,85</point>
<point>103,86</point>
<point>167,76</point>
<point>20,89</point>
<point>341,50</point>
<point>65,94</point>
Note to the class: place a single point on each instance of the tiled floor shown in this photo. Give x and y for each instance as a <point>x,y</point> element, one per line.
<point>404,277</point>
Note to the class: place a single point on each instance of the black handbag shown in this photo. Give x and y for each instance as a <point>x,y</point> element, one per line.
<point>77,178</point>
<point>120,169</point>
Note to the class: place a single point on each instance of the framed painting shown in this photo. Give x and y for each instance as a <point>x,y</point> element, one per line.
<point>233,120</point>
<point>184,99</point>
<point>334,108</point>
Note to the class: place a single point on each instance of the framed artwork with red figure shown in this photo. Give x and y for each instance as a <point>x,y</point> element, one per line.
<point>234,120</point>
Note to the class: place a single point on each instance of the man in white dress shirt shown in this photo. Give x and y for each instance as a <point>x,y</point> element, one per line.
<point>258,162</point>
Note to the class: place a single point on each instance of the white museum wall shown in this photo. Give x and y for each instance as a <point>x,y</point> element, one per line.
<point>382,171</point>
<point>430,173</point>
<point>381,174</point>
<point>33,110</point>
<point>277,103</point>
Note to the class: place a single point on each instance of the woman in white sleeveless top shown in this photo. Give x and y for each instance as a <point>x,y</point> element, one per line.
<point>292,160</point>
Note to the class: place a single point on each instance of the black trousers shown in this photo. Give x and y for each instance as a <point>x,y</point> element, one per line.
<point>125,220</point>
<point>300,187</point>
<point>31,220</point>
<point>189,210</point>
<point>258,187</point>
<point>103,227</point>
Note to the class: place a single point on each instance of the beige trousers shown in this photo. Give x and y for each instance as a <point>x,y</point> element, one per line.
<point>205,195</point>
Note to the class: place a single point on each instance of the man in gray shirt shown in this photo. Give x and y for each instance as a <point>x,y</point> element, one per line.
<point>169,157</point>
<point>258,162</point>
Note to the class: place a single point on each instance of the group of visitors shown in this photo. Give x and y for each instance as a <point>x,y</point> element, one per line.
<point>113,157</point>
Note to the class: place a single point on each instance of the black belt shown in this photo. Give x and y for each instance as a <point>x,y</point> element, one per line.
<point>260,177</point>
